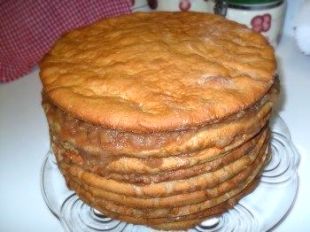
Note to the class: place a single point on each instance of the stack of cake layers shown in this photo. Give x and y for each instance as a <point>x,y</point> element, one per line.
<point>160,124</point>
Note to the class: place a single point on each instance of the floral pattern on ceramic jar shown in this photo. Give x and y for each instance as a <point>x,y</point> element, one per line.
<point>185,5</point>
<point>261,23</point>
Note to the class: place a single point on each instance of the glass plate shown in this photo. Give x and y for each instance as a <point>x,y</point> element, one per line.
<point>259,211</point>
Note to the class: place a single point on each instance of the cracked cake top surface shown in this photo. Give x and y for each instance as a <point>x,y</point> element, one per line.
<point>148,72</point>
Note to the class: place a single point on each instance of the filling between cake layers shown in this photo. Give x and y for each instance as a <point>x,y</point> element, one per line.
<point>105,142</point>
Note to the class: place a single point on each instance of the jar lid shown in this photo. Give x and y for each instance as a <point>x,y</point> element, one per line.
<point>248,2</point>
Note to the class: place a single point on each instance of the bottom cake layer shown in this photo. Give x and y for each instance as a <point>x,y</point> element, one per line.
<point>166,218</point>
<point>183,223</point>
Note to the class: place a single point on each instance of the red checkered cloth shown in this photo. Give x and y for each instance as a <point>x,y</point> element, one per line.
<point>29,28</point>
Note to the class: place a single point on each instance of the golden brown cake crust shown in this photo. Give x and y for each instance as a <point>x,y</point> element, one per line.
<point>158,71</point>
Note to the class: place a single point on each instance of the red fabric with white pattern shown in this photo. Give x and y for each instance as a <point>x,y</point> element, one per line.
<point>28,29</point>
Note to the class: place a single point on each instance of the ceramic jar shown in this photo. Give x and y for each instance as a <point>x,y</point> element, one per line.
<point>264,16</point>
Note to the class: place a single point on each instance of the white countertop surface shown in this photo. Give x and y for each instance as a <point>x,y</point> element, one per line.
<point>24,141</point>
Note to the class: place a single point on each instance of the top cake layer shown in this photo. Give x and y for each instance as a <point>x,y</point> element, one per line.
<point>150,72</point>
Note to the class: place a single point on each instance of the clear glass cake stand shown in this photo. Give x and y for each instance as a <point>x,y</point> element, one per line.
<point>261,210</point>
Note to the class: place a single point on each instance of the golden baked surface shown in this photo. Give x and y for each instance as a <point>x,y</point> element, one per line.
<point>158,71</point>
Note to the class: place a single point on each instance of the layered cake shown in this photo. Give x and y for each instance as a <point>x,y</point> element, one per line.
<point>160,119</point>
